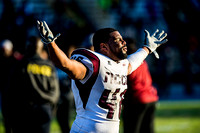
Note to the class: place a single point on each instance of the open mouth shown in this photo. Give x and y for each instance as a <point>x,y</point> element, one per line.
<point>124,48</point>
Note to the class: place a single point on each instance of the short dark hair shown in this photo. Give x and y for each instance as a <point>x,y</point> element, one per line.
<point>101,36</point>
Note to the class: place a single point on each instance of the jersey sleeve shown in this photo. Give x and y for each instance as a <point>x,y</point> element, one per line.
<point>137,58</point>
<point>86,62</point>
<point>88,59</point>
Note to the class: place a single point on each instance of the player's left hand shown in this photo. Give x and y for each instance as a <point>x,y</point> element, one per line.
<point>152,42</point>
<point>45,33</point>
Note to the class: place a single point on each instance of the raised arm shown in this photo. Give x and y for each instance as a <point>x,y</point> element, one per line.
<point>152,42</point>
<point>73,68</point>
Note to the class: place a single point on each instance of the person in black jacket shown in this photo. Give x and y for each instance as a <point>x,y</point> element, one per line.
<point>8,60</point>
<point>34,90</point>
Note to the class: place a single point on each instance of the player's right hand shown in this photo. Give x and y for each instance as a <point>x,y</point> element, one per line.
<point>45,33</point>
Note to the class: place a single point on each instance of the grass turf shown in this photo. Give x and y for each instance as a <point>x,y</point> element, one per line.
<point>178,117</point>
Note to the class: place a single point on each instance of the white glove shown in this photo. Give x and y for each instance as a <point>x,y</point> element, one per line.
<point>154,41</point>
<point>45,32</point>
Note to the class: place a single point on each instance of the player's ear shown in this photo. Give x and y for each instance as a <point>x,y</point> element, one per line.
<point>104,47</point>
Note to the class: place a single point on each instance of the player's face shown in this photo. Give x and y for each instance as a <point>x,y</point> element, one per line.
<point>117,45</point>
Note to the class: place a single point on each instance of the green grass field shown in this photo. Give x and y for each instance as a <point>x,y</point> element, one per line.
<point>171,117</point>
<point>178,117</point>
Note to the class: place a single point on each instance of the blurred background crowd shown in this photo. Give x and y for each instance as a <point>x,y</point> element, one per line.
<point>76,19</point>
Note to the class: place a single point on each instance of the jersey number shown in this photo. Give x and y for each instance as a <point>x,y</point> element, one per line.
<point>111,104</point>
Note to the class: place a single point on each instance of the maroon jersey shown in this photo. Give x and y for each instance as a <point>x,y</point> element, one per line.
<point>140,88</point>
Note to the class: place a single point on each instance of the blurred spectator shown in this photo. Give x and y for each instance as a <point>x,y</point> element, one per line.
<point>65,104</point>
<point>8,61</point>
<point>34,91</point>
<point>140,98</point>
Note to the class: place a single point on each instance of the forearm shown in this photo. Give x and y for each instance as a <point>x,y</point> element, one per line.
<point>137,58</point>
<point>57,55</point>
<point>74,69</point>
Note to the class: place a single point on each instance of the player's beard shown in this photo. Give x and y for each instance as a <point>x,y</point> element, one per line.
<point>121,55</point>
